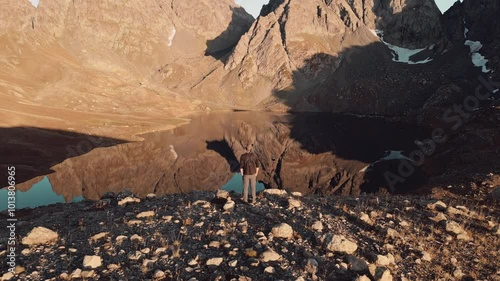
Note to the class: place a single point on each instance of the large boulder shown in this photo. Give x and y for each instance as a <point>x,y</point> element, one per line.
<point>40,235</point>
<point>282,230</point>
<point>340,244</point>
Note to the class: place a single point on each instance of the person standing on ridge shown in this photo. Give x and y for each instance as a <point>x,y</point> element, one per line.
<point>249,169</point>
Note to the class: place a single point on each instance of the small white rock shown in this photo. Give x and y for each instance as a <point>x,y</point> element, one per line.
<point>214,261</point>
<point>270,270</point>
<point>270,255</point>
<point>128,200</point>
<point>92,261</point>
<point>275,191</point>
<point>146,214</point>
<point>99,236</point>
<point>282,230</point>
<point>317,226</point>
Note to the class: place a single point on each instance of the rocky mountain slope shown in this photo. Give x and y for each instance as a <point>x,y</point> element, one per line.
<point>284,236</point>
<point>79,64</point>
<point>133,66</point>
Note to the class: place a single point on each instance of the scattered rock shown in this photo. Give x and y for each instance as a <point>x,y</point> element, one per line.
<point>134,222</point>
<point>88,274</point>
<point>136,238</point>
<point>134,255</point>
<point>454,211</point>
<point>357,264</point>
<point>270,255</point>
<point>317,226</point>
<point>385,260</point>
<point>167,218</point>
<point>76,274</point>
<point>404,224</point>
<point>311,266</point>
<point>229,205</point>
<point>128,200</point>
<point>40,235</point>
<point>270,270</point>
<point>99,236</point>
<point>119,239</point>
<point>214,261</point>
<point>457,273</point>
<point>297,194</point>
<point>439,217</point>
<point>92,261</point>
<point>392,233</point>
<point>275,191</point>
<point>159,274</point>
<point>464,236</point>
<point>7,276</point>
<point>294,203</point>
<point>437,205</point>
<point>454,227</point>
<point>147,263</point>
<point>366,219</point>
<point>282,230</point>
<point>340,244</point>
<point>113,266</point>
<point>426,256</point>
<point>214,244</point>
<point>146,214</point>
<point>233,263</point>
<point>222,194</point>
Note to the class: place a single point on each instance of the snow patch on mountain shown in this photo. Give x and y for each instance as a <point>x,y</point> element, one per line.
<point>35,3</point>
<point>477,59</point>
<point>171,36</point>
<point>400,54</point>
<point>389,155</point>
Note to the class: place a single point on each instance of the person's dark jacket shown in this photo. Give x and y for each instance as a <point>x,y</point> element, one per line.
<point>249,163</point>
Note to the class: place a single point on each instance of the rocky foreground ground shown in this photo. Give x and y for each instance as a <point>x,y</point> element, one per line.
<point>208,236</point>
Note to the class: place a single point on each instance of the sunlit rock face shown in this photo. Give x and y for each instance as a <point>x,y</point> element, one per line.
<point>324,55</point>
<point>102,57</point>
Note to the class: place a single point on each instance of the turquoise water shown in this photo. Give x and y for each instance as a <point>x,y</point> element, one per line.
<point>236,184</point>
<point>40,194</point>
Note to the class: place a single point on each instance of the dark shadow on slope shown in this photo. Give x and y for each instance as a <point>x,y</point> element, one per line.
<point>221,46</point>
<point>365,80</point>
<point>33,151</point>
<point>222,147</point>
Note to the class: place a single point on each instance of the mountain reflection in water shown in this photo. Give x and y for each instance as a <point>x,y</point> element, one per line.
<point>310,153</point>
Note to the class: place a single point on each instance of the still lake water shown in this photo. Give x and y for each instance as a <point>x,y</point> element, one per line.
<point>42,194</point>
<point>309,153</point>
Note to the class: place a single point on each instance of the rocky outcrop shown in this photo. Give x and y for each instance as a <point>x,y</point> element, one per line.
<point>39,236</point>
<point>478,22</point>
<point>409,23</point>
<point>324,56</point>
